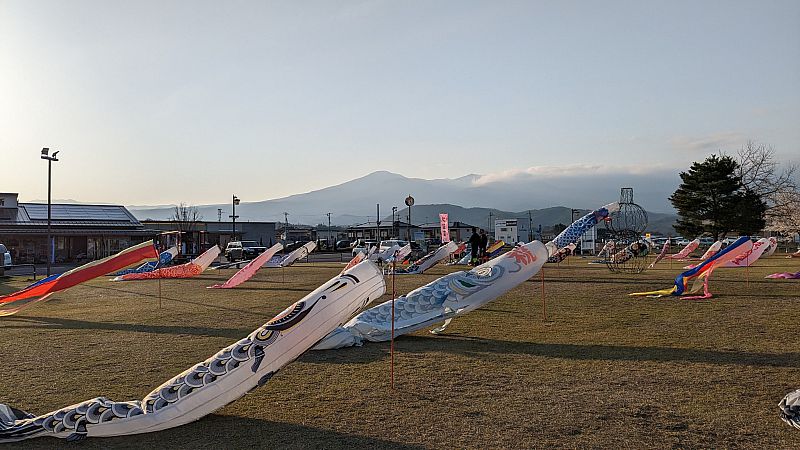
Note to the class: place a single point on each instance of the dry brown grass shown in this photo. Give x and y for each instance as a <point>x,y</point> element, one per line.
<point>606,370</point>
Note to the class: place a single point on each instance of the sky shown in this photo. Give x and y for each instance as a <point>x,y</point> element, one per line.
<point>153,102</point>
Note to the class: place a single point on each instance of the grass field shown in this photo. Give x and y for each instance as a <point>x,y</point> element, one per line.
<point>604,370</point>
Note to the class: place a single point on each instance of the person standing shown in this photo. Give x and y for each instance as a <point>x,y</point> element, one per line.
<point>474,246</point>
<point>484,243</point>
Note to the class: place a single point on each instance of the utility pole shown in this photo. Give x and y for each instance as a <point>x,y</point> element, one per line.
<point>285,226</point>
<point>50,246</point>
<point>329,230</point>
<point>378,223</point>
<point>530,226</point>
<point>219,214</point>
<point>490,222</point>
<point>394,222</point>
<point>233,216</point>
<point>409,203</point>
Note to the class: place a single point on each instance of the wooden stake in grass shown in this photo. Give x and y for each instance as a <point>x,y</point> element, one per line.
<point>544,300</point>
<point>747,271</point>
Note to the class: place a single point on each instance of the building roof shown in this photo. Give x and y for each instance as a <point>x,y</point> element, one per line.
<point>34,215</point>
<point>387,224</point>
<point>452,225</point>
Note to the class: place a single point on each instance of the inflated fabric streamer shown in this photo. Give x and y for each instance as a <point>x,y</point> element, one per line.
<point>191,269</point>
<point>664,251</point>
<point>429,260</point>
<point>163,259</point>
<point>683,254</point>
<point>573,233</point>
<point>289,259</point>
<point>250,269</point>
<point>701,273</point>
<point>41,290</point>
<point>440,301</point>
<point>215,382</point>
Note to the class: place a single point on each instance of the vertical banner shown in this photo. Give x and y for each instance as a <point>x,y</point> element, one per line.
<point>444,225</point>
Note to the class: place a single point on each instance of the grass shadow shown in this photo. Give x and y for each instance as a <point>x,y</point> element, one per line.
<point>478,347</point>
<point>172,299</point>
<point>219,431</point>
<point>53,323</point>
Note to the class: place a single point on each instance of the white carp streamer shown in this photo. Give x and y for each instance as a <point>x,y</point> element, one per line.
<point>215,382</point>
<point>450,296</point>
<point>429,260</point>
<point>286,261</point>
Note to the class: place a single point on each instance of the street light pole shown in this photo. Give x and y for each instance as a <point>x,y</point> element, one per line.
<point>50,249</point>
<point>378,223</point>
<point>394,222</point>
<point>233,216</point>
<point>328,239</point>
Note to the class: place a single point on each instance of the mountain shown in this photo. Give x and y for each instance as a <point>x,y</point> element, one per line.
<point>355,201</point>
<point>546,217</point>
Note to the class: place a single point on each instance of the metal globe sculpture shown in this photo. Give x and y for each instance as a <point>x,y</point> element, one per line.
<point>630,249</point>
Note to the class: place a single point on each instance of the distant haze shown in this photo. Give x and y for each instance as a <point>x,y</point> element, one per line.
<point>355,201</point>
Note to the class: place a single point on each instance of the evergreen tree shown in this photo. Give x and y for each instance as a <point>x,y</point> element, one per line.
<point>712,199</point>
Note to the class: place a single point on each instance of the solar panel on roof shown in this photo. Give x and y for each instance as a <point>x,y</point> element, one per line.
<point>78,212</point>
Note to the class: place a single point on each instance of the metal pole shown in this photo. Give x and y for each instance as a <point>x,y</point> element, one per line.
<point>50,245</point>
<point>530,227</point>
<point>328,239</point>
<point>409,224</point>
<point>233,217</point>
<point>378,223</point>
<point>391,345</point>
<point>49,233</point>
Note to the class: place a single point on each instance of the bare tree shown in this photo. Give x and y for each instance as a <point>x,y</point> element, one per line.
<point>186,217</point>
<point>786,215</point>
<point>762,173</point>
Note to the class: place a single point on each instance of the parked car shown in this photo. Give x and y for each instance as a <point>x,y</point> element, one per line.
<point>389,243</point>
<point>237,250</point>
<point>344,244</point>
<point>5,257</point>
<point>706,241</point>
<point>682,242</point>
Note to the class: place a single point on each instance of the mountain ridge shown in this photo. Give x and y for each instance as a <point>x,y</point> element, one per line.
<point>355,201</point>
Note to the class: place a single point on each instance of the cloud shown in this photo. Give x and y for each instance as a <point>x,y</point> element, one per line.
<point>569,171</point>
<point>711,142</point>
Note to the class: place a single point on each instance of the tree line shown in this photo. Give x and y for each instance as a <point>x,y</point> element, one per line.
<point>741,194</point>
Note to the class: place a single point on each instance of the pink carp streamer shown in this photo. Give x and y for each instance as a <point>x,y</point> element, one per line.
<point>773,245</point>
<point>661,255</point>
<point>188,270</point>
<point>712,250</point>
<point>701,273</point>
<point>746,259</point>
<point>785,276</point>
<point>248,271</point>
<point>683,254</point>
